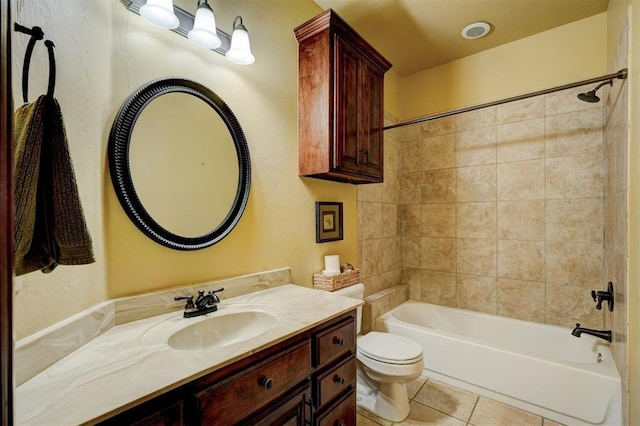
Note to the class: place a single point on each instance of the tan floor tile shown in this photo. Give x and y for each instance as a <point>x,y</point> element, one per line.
<point>423,415</point>
<point>447,399</point>
<point>364,414</point>
<point>415,386</point>
<point>365,421</point>
<point>490,413</point>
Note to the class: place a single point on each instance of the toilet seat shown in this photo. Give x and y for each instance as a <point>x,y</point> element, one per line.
<point>389,348</point>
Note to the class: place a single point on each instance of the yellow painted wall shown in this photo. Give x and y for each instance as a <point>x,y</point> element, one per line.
<point>572,52</point>
<point>104,53</point>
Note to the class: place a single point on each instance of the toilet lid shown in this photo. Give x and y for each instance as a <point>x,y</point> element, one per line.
<point>386,347</point>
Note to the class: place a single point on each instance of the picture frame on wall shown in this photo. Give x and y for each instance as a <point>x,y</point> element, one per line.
<point>329,223</point>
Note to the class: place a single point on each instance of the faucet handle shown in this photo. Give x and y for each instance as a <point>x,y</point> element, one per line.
<point>212,293</point>
<point>188,298</point>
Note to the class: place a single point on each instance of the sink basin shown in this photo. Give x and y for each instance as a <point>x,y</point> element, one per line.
<point>222,330</point>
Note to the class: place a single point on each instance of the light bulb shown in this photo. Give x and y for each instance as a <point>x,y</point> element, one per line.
<point>204,32</point>
<point>240,50</point>
<point>160,13</point>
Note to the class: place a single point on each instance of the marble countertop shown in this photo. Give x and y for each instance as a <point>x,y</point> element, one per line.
<point>132,363</point>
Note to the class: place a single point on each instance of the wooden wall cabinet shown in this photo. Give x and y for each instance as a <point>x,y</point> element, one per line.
<point>309,379</point>
<point>340,102</point>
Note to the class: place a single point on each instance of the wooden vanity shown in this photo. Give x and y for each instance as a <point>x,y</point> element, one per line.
<point>309,378</point>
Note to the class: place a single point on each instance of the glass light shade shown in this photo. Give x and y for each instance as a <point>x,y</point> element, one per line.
<point>240,50</point>
<point>160,13</point>
<point>204,28</point>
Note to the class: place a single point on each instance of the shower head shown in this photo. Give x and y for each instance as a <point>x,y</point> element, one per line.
<point>591,96</point>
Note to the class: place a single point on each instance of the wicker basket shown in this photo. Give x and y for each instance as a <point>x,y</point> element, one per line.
<point>335,282</point>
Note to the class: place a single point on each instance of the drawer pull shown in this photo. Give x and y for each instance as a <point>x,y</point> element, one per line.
<point>266,382</point>
<point>338,423</point>
<point>338,379</point>
<point>338,341</point>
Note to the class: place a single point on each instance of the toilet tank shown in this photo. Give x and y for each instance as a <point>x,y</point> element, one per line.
<point>355,291</point>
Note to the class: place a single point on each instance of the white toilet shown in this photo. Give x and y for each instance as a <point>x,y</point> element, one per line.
<point>386,363</point>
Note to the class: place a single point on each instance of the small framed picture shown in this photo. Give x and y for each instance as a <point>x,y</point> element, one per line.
<point>328,221</point>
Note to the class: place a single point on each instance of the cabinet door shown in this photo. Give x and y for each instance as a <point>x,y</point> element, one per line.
<point>290,411</point>
<point>346,138</point>
<point>371,119</point>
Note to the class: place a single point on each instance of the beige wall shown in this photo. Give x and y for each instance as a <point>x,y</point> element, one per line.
<point>569,53</point>
<point>104,53</point>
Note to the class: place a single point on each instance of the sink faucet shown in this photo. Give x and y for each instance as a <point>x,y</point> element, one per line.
<point>204,303</point>
<point>603,334</point>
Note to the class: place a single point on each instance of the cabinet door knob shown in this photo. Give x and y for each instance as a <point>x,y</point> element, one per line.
<point>338,341</point>
<point>338,379</point>
<point>338,423</point>
<point>266,382</point>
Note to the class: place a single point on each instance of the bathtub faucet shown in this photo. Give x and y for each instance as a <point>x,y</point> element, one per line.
<point>603,334</point>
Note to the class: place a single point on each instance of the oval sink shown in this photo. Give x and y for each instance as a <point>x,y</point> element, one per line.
<point>222,330</point>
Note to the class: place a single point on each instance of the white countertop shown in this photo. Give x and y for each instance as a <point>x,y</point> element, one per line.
<point>130,363</point>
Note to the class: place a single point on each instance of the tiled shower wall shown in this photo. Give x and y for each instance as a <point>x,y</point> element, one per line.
<point>616,190</point>
<point>501,209</point>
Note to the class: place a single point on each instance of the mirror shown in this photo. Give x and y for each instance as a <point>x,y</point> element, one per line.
<point>176,143</point>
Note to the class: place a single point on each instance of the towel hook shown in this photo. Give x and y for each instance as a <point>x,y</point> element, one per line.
<point>36,34</point>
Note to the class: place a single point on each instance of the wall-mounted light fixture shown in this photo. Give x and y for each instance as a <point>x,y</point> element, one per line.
<point>200,29</point>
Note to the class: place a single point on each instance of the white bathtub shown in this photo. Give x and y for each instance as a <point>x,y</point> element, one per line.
<point>536,367</point>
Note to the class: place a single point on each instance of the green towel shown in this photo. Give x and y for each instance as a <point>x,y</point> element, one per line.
<point>50,228</point>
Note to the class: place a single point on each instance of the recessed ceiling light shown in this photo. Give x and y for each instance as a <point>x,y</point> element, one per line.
<point>475,30</point>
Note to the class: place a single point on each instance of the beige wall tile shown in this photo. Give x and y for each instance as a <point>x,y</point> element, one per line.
<point>370,220</point>
<point>485,117</point>
<point>411,220</point>
<point>523,300</point>
<point>571,304</point>
<point>521,220</point>
<point>522,180</point>
<point>476,220</point>
<point>439,152</point>
<point>371,258</point>
<point>438,127</point>
<point>370,192</point>
<point>523,140</point>
<point>477,183</point>
<point>521,260</point>
<point>567,101</point>
<point>411,252</point>
<point>390,255</point>
<point>525,109</point>
<point>574,263</point>
<point>439,254</point>
<point>574,133</point>
<point>579,219</point>
<point>439,288</point>
<point>392,153</point>
<point>438,186</point>
<point>579,176</point>
<point>477,293</point>
<point>411,156</point>
<point>389,220</point>
<point>413,277</point>
<point>410,133</point>
<point>390,188</point>
<point>439,220</point>
<point>475,147</point>
<point>476,256</point>
<point>410,187</point>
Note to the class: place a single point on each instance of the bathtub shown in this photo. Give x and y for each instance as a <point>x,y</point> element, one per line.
<point>539,368</point>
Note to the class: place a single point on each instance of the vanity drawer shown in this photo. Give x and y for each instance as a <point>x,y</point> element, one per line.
<point>335,381</point>
<point>342,414</point>
<point>335,341</point>
<point>232,400</point>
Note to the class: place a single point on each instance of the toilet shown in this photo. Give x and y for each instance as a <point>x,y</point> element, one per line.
<point>385,364</point>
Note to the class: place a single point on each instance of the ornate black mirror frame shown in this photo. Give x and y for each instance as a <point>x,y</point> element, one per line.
<point>119,166</point>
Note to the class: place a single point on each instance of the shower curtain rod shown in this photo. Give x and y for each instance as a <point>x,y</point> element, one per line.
<point>622,74</point>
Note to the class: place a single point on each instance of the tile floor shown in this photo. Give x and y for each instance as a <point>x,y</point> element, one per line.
<point>436,403</point>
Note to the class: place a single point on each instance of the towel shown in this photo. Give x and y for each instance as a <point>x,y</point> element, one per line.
<point>50,228</point>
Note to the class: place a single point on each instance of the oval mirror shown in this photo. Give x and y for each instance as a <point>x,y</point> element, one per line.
<point>179,164</point>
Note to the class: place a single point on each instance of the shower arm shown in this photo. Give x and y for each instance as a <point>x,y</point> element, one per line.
<point>608,79</point>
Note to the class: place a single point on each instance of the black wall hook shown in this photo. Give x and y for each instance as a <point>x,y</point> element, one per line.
<point>36,34</point>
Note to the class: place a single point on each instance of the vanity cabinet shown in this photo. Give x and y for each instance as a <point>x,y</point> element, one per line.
<point>340,102</point>
<point>308,379</point>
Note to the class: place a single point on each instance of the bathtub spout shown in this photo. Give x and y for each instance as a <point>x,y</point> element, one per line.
<point>602,334</point>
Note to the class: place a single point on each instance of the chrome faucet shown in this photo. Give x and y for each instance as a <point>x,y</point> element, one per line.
<point>602,334</point>
<point>204,303</point>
